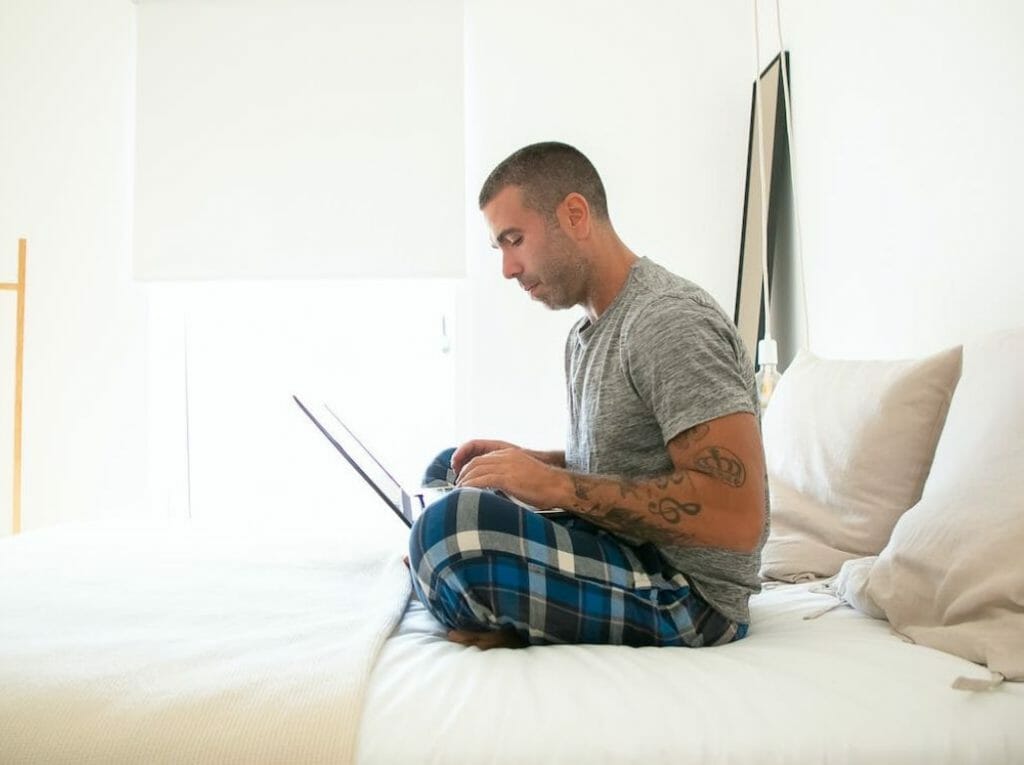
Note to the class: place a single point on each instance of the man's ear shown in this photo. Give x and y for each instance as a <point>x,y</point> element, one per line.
<point>574,214</point>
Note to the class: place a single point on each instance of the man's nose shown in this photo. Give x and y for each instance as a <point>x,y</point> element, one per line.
<point>510,267</point>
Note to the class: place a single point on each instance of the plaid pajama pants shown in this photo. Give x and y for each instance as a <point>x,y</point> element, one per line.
<point>481,562</point>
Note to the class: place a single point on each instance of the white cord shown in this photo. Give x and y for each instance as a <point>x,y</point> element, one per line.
<point>760,159</point>
<point>793,176</point>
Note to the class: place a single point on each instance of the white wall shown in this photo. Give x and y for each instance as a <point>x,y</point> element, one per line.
<point>65,160</point>
<point>657,95</point>
<point>909,156</point>
<point>907,151</point>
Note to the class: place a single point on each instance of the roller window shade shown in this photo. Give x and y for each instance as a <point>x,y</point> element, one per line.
<point>299,139</point>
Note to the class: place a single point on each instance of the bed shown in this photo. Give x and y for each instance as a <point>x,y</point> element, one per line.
<point>897,511</point>
<point>183,643</point>
<point>838,688</point>
<point>188,642</point>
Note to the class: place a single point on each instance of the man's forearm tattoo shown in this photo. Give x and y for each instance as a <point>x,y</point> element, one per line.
<point>628,488</point>
<point>664,481</point>
<point>672,511</point>
<point>630,521</point>
<point>625,521</point>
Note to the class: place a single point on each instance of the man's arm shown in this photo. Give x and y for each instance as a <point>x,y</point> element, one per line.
<point>553,458</point>
<point>713,497</point>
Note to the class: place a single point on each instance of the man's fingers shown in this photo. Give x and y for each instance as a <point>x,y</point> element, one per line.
<point>475,479</point>
<point>480,475</point>
<point>478,447</point>
<point>471,466</point>
<point>484,458</point>
<point>461,456</point>
<point>466,453</point>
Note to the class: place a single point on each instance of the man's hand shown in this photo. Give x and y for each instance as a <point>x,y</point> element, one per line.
<point>476,448</point>
<point>481,446</point>
<point>517,472</point>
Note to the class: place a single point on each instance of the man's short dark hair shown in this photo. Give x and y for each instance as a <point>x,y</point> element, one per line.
<point>547,173</point>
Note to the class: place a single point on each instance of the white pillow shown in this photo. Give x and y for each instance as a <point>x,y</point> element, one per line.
<point>952,576</point>
<point>848,447</point>
<point>851,586</point>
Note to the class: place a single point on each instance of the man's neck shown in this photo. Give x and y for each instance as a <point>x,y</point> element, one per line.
<point>612,263</point>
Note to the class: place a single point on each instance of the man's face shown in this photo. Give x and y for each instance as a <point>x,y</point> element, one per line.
<point>539,255</point>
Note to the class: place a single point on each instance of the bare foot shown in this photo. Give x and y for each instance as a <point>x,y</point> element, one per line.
<point>503,638</point>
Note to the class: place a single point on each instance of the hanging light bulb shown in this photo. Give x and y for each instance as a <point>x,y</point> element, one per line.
<point>767,376</point>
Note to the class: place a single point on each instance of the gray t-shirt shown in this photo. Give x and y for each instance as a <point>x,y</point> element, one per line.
<point>662,358</point>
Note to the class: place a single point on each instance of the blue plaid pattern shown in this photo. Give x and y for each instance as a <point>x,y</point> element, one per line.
<point>481,562</point>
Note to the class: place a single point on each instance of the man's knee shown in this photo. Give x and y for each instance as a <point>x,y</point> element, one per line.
<point>464,526</point>
<point>441,546</point>
<point>439,471</point>
<point>431,539</point>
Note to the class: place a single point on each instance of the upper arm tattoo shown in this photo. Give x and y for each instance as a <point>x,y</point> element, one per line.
<point>718,462</point>
<point>714,461</point>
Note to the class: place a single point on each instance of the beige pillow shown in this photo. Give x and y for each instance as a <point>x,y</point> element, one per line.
<point>952,576</point>
<point>848,447</point>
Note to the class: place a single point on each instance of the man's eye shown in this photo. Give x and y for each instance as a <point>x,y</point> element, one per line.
<point>516,242</point>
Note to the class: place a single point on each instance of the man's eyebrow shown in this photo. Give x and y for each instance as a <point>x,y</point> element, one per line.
<point>504,235</point>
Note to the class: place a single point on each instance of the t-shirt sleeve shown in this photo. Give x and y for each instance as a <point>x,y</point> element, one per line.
<point>685,360</point>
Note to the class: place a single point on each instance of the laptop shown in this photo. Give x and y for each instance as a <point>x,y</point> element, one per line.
<point>405,503</point>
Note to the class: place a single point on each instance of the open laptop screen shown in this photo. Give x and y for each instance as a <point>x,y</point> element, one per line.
<point>360,458</point>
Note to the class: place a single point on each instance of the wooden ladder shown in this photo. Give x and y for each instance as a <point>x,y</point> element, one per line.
<point>19,354</point>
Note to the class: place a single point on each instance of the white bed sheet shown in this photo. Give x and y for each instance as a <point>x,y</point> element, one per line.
<point>186,643</point>
<point>838,689</point>
<point>121,646</point>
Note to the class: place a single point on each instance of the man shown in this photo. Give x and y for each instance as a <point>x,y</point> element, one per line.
<point>662,479</point>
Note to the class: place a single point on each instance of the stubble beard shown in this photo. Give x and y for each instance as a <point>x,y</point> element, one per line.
<point>567,275</point>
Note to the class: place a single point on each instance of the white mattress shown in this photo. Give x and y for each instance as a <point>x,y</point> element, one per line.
<point>187,644</point>
<point>180,646</point>
<point>839,689</point>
